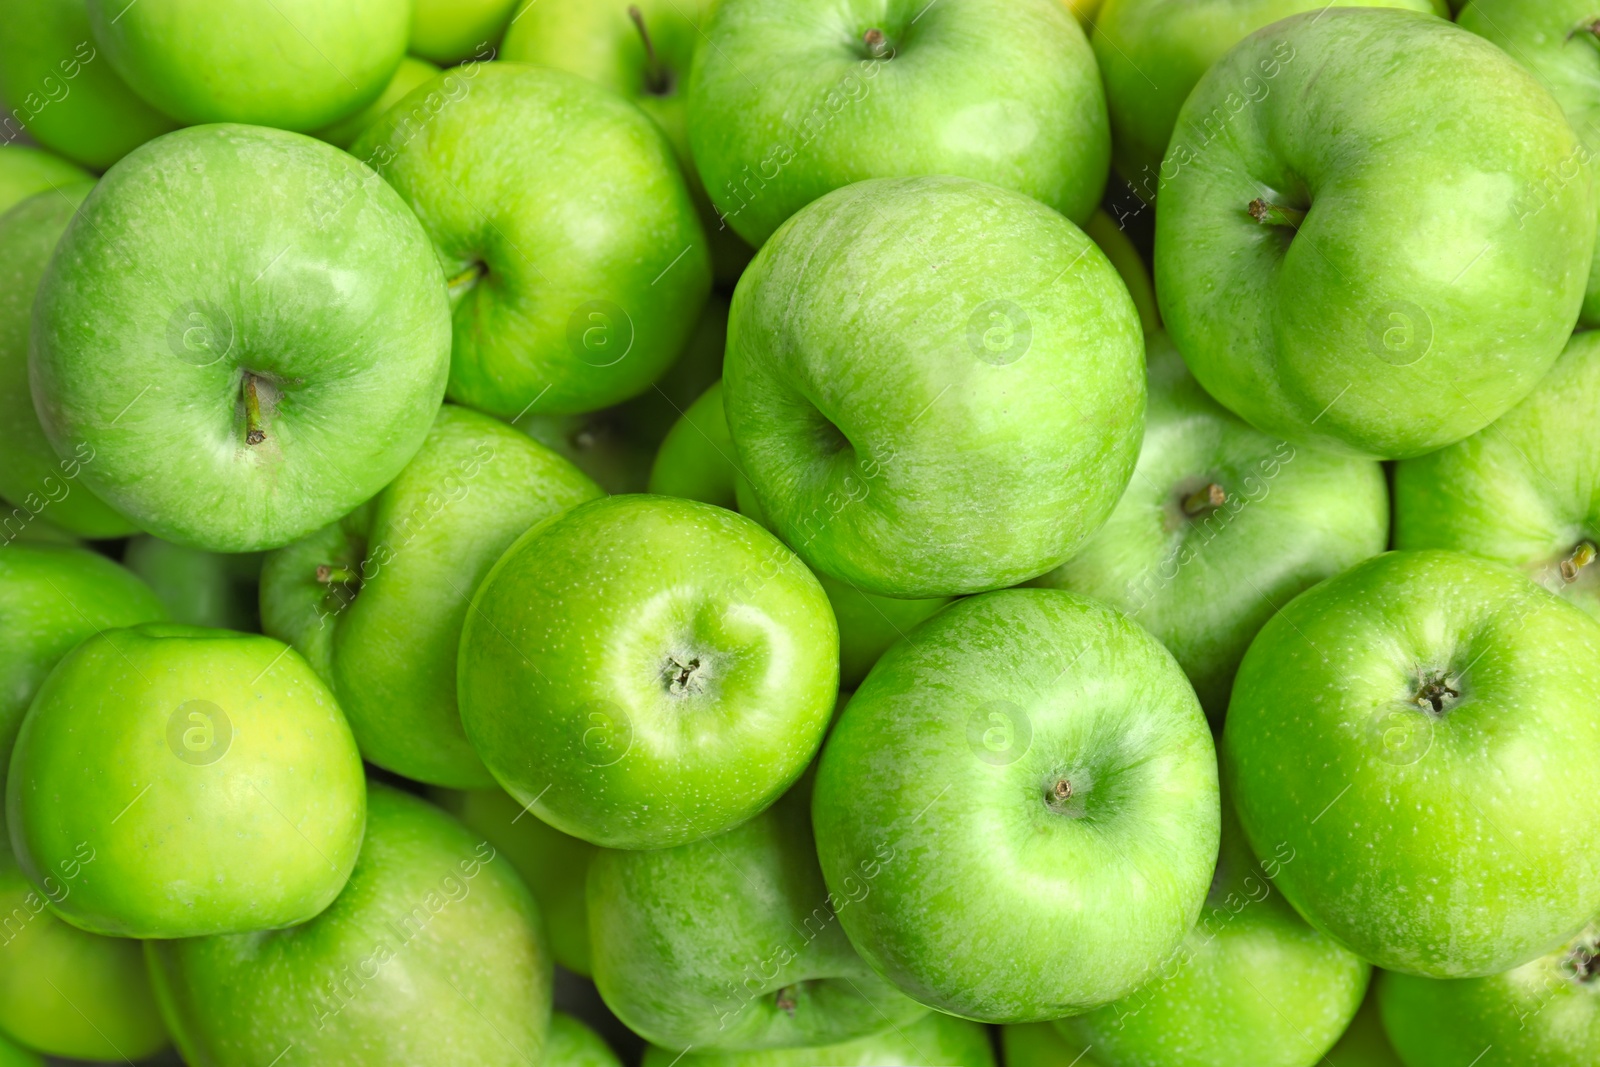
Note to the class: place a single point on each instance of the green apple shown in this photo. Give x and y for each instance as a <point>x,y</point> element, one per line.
<point>1364,1043</point>
<point>32,477</point>
<point>642,671</point>
<point>1523,491</point>
<point>733,941</point>
<point>1344,255</point>
<point>1220,525</point>
<point>933,1040</point>
<point>14,1055</point>
<point>66,992</point>
<point>248,333</point>
<point>432,956</point>
<point>1177,41</point>
<point>51,598</point>
<point>1041,1045</point>
<point>1559,41</point>
<point>448,32</point>
<point>60,89</point>
<point>572,1044</point>
<point>576,266</point>
<point>869,624</point>
<point>411,73</point>
<point>1544,1013</point>
<point>1420,731</point>
<point>904,348</point>
<point>185,781</point>
<point>375,601</point>
<point>1028,787</point>
<point>25,170</point>
<point>1121,251</point>
<point>1003,91</point>
<point>294,64</point>
<point>553,865</point>
<point>199,588</point>
<point>1251,983</point>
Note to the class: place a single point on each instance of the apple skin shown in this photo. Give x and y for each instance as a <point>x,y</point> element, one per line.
<point>14,1055</point>
<point>66,992</point>
<point>642,671</point>
<point>578,268</point>
<point>930,1041</point>
<point>25,170</point>
<point>939,787</point>
<point>293,64</point>
<point>1023,109</point>
<point>1364,1043</point>
<point>733,942</point>
<point>32,477</point>
<point>386,638</point>
<point>1364,329</point>
<point>1124,256</point>
<point>1180,39</point>
<point>572,1044</point>
<point>61,88</point>
<point>1251,983</point>
<point>200,588</point>
<point>447,32</point>
<point>432,956</point>
<point>1205,584</point>
<point>266,260</point>
<point>1546,1012</point>
<point>553,865</point>
<point>235,786</point>
<point>1524,490</point>
<point>1041,1045</point>
<point>411,73</point>
<point>872,400</point>
<point>1334,749</point>
<point>51,598</point>
<point>1547,36</point>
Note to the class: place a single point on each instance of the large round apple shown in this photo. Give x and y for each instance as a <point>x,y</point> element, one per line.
<point>1020,803</point>
<point>1004,91</point>
<point>576,265</point>
<point>1373,234</point>
<point>642,671</point>
<point>903,350</point>
<point>247,331</point>
<point>1422,732</point>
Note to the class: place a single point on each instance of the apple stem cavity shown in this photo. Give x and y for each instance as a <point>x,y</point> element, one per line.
<point>253,433</point>
<point>1581,557</point>
<point>1204,500</point>
<point>657,79</point>
<point>1269,214</point>
<point>468,278</point>
<point>877,44</point>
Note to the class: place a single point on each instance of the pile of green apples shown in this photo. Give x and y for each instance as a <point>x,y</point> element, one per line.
<point>800,533</point>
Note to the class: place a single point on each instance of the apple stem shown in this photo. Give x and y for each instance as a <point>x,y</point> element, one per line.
<point>1276,214</point>
<point>877,44</point>
<point>1209,498</point>
<point>1581,557</point>
<point>330,575</point>
<point>253,433</point>
<point>655,75</point>
<point>467,278</point>
<point>786,1002</point>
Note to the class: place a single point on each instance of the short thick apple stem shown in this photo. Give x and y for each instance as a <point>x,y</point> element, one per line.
<point>877,44</point>
<point>1207,498</point>
<point>656,81</point>
<point>331,575</point>
<point>1276,214</point>
<point>253,433</point>
<point>1581,557</point>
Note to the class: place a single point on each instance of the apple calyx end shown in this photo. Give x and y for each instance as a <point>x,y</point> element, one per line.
<point>1437,694</point>
<point>1058,795</point>
<point>329,574</point>
<point>1203,501</point>
<point>1269,214</point>
<point>684,676</point>
<point>1582,962</point>
<point>785,1000</point>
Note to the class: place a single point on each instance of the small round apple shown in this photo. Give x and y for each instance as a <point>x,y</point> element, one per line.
<point>25,170</point>
<point>905,350</point>
<point>642,671</point>
<point>189,782</point>
<point>32,476</point>
<point>447,32</point>
<point>411,73</point>
<point>1546,1012</point>
<point>733,942</point>
<point>1002,91</point>
<point>293,64</point>
<point>1372,236</point>
<point>375,601</point>
<point>1028,785</point>
<point>1521,491</point>
<point>246,330</point>
<point>433,956</point>
<point>572,1044</point>
<point>1421,732</point>
<point>576,265</point>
